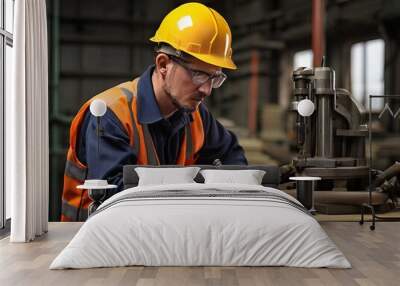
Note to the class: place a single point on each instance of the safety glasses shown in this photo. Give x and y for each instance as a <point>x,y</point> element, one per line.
<point>200,77</point>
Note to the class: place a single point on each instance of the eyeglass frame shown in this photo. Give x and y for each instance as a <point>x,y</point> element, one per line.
<point>219,74</point>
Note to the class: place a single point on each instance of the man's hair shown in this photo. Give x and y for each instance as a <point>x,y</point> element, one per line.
<point>171,51</point>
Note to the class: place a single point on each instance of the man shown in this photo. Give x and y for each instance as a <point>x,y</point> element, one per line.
<point>158,118</point>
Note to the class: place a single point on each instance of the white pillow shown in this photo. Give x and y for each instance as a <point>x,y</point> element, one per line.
<point>163,176</point>
<point>248,177</point>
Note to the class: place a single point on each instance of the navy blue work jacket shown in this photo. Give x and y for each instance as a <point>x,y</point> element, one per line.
<point>167,134</point>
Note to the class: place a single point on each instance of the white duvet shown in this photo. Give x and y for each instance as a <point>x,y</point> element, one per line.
<point>207,230</point>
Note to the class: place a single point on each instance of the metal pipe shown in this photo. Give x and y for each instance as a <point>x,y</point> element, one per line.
<point>253,92</point>
<point>354,198</point>
<point>324,127</point>
<point>318,31</point>
<point>324,85</point>
<point>389,173</point>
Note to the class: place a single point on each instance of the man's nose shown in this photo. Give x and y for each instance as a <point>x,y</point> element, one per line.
<point>206,88</point>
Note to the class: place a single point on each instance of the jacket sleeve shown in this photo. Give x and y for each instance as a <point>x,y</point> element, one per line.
<point>105,156</point>
<point>219,143</point>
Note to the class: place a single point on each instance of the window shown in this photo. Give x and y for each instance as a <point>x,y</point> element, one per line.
<point>303,59</point>
<point>367,64</point>
<point>6,63</point>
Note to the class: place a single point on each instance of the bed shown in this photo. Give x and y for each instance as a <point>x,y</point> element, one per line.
<point>201,224</point>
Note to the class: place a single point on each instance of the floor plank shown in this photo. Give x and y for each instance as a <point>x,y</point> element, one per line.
<point>375,257</point>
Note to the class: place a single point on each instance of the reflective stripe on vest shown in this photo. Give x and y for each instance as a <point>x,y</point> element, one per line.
<point>152,157</point>
<point>74,213</point>
<point>189,141</point>
<point>74,171</point>
<point>129,97</point>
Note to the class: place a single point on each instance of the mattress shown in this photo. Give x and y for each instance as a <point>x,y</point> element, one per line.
<point>201,225</point>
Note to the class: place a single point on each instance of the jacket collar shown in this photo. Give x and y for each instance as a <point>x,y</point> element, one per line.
<point>147,107</point>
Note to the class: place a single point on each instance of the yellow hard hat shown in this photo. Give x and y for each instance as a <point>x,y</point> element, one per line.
<point>199,31</point>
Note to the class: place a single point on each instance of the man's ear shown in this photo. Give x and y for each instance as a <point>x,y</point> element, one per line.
<point>161,62</point>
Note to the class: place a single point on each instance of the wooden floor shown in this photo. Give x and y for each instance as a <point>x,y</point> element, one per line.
<point>375,256</point>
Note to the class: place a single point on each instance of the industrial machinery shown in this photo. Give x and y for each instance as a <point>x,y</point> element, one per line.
<point>332,138</point>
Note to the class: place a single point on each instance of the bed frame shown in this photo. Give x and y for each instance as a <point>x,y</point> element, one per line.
<point>270,179</point>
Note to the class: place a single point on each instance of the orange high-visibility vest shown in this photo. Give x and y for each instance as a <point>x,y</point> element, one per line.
<point>122,101</point>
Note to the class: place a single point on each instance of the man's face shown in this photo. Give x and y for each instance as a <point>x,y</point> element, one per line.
<point>179,84</point>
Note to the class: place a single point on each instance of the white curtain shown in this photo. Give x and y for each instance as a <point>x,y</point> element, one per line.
<point>27,154</point>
